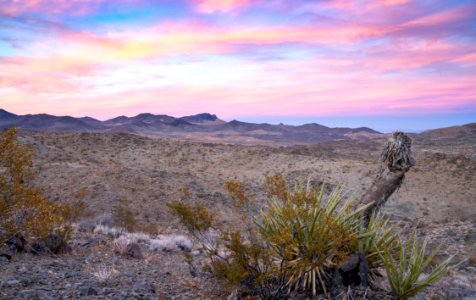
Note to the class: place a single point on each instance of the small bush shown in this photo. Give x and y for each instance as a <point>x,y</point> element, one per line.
<point>111,231</point>
<point>195,216</point>
<point>124,217</point>
<point>183,242</point>
<point>120,245</point>
<point>104,274</point>
<point>171,243</point>
<point>166,245</point>
<point>28,221</point>
<point>406,269</point>
<point>151,229</point>
<point>138,237</point>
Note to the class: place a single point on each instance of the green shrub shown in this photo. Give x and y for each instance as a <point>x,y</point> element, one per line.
<point>406,268</point>
<point>377,237</point>
<point>301,242</point>
<point>310,235</point>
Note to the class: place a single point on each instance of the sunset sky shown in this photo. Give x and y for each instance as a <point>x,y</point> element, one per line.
<point>387,64</point>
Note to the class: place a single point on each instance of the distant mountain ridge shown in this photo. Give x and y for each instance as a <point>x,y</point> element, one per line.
<point>203,126</point>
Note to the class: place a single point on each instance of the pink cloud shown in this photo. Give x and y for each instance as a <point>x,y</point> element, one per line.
<point>300,88</point>
<point>54,7</point>
<point>13,7</point>
<point>104,74</point>
<point>221,6</point>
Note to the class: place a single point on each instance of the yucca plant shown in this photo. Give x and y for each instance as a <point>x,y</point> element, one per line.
<point>375,239</point>
<point>307,240</point>
<point>310,234</point>
<point>406,269</point>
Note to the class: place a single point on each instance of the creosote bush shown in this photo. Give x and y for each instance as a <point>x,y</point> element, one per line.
<point>304,242</point>
<point>195,217</point>
<point>28,221</point>
<point>123,216</point>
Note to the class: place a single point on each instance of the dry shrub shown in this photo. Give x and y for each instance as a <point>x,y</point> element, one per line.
<point>276,186</point>
<point>148,228</point>
<point>124,217</point>
<point>237,192</point>
<point>120,245</point>
<point>195,216</point>
<point>112,231</point>
<point>171,243</point>
<point>28,221</point>
<point>104,274</point>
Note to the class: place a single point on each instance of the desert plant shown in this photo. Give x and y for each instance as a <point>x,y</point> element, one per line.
<point>249,266</point>
<point>171,243</point>
<point>276,186</point>
<point>124,217</point>
<point>112,231</point>
<point>136,237</point>
<point>237,191</point>
<point>121,244</point>
<point>195,217</point>
<point>377,237</point>
<point>27,219</point>
<point>406,269</point>
<point>311,235</point>
<point>104,274</point>
<point>307,240</point>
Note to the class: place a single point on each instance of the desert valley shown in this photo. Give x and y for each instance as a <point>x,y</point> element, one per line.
<point>147,170</point>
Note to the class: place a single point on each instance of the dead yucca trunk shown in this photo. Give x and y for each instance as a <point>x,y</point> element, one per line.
<point>398,160</point>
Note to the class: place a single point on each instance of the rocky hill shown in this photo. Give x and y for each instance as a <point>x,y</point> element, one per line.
<point>203,126</point>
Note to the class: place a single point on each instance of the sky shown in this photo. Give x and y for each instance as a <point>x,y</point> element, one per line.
<point>386,64</point>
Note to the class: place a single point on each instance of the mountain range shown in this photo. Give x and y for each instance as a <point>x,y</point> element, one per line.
<point>202,126</point>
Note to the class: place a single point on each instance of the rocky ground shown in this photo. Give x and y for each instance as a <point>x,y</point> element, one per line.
<point>96,270</point>
<point>437,198</point>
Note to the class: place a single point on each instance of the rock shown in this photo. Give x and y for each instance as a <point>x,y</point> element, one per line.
<point>6,256</point>
<point>85,289</point>
<point>43,272</point>
<point>105,220</point>
<point>13,282</point>
<point>87,225</point>
<point>143,287</point>
<point>71,274</point>
<point>133,250</point>
<point>89,243</point>
<point>233,295</point>
<point>108,291</point>
<point>122,296</point>
<point>460,293</point>
<point>26,294</point>
<point>46,295</point>
<point>351,263</point>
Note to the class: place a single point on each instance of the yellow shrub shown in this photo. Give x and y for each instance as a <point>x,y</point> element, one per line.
<point>26,216</point>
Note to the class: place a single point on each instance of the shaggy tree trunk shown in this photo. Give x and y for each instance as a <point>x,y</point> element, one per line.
<point>398,160</point>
